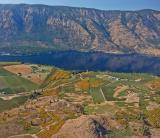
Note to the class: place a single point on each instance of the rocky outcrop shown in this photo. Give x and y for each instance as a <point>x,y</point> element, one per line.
<point>84,127</point>
<point>80,28</point>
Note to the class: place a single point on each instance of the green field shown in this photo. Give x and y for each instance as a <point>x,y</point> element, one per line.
<point>15,102</point>
<point>11,83</point>
<point>9,63</point>
<point>131,76</point>
<point>97,95</point>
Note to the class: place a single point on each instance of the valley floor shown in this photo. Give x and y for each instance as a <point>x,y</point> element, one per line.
<point>81,104</point>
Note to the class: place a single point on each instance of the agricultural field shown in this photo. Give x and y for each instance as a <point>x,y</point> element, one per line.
<point>129,102</point>
<point>9,63</point>
<point>13,103</point>
<point>35,73</point>
<point>18,81</point>
<point>11,83</point>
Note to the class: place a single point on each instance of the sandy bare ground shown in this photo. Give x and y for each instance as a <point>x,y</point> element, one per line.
<point>37,78</point>
<point>155,132</point>
<point>110,103</point>
<point>152,106</point>
<point>79,98</point>
<point>132,98</point>
<point>23,135</point>
<point>10,97</point>
<point>7,98</point>
<point>23,69</point>
<point>120,89</point>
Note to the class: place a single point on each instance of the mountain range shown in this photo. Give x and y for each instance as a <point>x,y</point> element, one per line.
<point>42,27</point>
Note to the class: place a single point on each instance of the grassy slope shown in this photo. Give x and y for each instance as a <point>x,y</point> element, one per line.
<point>14,83</point>
<point>15,102</point>
<point>11,83</point>
<point>9,63</point>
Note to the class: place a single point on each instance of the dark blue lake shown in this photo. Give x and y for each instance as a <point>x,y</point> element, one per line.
<point>93,61</point>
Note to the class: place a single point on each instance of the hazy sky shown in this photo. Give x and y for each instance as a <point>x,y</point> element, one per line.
<point>100,4</point>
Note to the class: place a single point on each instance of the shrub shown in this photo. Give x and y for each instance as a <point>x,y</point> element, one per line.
<point>154,117</point>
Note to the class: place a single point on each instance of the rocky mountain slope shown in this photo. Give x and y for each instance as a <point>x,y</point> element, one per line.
<point>86,127</point>
<point>48,27</point>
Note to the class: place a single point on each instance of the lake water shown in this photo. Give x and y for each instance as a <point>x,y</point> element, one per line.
<point>93,61</point>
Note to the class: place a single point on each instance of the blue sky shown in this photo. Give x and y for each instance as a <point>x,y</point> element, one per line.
<point>99,4</point>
